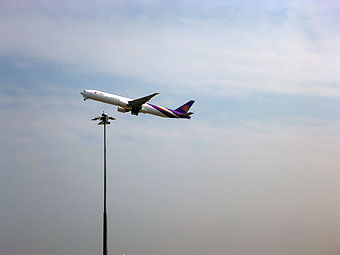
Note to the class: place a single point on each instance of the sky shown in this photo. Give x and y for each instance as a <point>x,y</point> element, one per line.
<point>256,169</point>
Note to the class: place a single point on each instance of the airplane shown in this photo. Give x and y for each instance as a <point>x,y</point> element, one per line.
<point>135,106</point>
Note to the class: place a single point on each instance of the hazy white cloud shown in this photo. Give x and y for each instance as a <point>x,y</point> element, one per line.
<point>230,48</point>
<point>222,184</point>
<point>189,187</point>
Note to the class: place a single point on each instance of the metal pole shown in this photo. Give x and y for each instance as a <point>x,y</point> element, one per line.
<point>104,214</point>
<point>104,120</point>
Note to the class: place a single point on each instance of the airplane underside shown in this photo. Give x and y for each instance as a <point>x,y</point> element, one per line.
<point>135,110</point>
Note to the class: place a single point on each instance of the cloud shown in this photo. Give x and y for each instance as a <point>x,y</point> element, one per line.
<point>252,174</point>
<point>281,48</point>
<point>190,187</point>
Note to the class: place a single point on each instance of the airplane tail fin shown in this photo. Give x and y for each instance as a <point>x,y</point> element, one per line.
<point>185,108</point>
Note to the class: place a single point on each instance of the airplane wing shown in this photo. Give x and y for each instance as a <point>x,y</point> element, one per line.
<point>140,101</point>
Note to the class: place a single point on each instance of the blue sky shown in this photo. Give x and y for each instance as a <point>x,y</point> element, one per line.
<point>255,171</point>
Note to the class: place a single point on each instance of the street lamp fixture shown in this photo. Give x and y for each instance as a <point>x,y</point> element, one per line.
<point>104,120</point>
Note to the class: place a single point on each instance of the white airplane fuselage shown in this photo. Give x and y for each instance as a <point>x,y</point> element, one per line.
<point>124,105</point>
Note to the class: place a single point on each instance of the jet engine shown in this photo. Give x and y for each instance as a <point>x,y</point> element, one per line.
<point>121,109</point>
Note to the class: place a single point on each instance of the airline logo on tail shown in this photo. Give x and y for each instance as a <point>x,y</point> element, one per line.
<point>185,108</point>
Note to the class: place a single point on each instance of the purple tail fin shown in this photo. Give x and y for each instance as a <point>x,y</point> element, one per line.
<point>185,108</point>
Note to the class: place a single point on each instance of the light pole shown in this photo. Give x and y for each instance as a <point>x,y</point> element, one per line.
<point>104,120</point>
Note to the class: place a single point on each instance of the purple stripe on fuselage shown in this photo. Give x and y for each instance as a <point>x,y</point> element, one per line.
<point>167,112</point>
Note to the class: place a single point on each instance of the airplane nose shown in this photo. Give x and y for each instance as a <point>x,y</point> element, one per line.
<point>83,93</point>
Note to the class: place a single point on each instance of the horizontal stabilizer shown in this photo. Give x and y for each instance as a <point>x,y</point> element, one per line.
<point>185,114</point>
